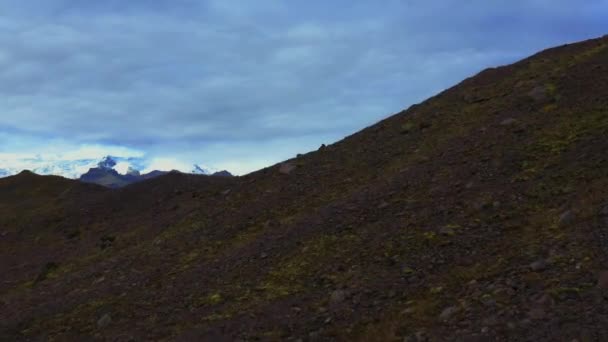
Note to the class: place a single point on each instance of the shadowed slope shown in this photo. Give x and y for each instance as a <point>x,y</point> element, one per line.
<point>479,213</point>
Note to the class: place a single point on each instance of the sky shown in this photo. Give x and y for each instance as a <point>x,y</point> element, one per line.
<point>240,85</point>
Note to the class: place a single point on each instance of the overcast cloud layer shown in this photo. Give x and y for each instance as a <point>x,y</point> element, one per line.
<point>243,84</point>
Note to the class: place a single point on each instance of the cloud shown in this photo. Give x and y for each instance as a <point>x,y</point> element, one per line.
<point>178,80</point>
<point>167,164</point>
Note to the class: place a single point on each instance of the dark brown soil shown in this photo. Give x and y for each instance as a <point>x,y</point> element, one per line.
<point>479,214</point>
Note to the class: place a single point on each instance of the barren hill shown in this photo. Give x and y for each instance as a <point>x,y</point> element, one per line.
<point>479,214</point>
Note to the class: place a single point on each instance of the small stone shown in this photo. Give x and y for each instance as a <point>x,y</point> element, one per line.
<point>545,300</point>
<point>448,313</point>
<point>566,218</point>
<point>337,297</point>
<point>383,205</point>
<point>508,122</point>
<point>313,335</point>
<point>99,280</point>
<point>104,321</point>
<point>539,265</point>
<point>489,301</point>
<point>408,311</point>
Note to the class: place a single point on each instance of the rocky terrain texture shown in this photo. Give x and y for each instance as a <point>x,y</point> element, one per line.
<point>479,214</point>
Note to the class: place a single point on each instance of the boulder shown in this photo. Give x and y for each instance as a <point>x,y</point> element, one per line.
<point>566,218</point>
<point>448,313</point>
<point>286,168</point>
<point>104,321</point>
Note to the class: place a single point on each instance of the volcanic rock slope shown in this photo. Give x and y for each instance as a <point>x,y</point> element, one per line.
<point>479,214</point>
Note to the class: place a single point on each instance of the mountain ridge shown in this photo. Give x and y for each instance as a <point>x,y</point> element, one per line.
<point>75,169</point>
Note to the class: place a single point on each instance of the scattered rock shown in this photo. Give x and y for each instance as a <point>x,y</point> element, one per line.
<point>545,300</point>
<point>314,335</point>
<point>539,94</point>
<point>604,210</point>
<point>383,205</point>
<point>337,297</point>
<point>104,321</point>
<point>488,301</point>
<point>226,192</point>
<point>508,122</point>
<point>566,218</point>
<point>408,311</point>
<point>539,265</point>
<point>286,168</point>
<point>322,147</point>
<point>99,280</point>
<point>448,313</point>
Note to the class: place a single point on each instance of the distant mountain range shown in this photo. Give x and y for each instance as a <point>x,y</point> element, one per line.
<point>110,171</point>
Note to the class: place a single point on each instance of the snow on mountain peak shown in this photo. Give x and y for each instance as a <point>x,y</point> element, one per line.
<point>74,168</point>
<point>107,163</point>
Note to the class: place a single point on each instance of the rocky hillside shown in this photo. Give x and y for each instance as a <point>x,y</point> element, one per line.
<point>479,214</point>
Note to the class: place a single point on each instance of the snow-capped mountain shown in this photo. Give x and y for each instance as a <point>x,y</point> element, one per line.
<point>76,168</point>
<point>41,166</point>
